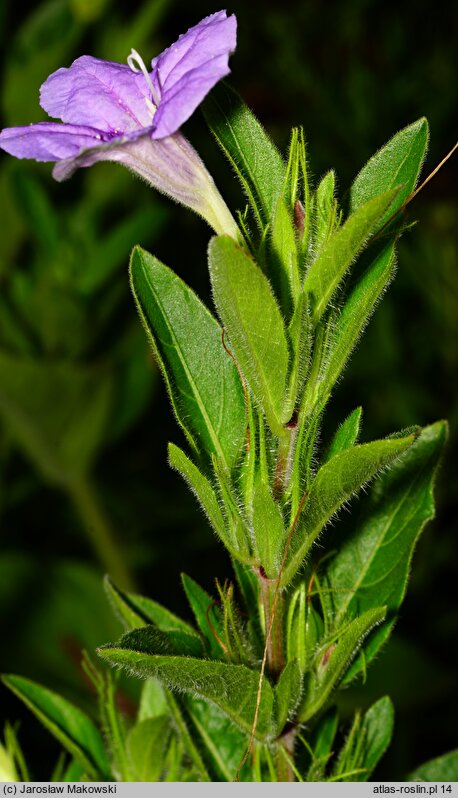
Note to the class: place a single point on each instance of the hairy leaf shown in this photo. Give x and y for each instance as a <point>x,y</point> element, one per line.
<point>287,692</point>
<point>398,163</point>
<point>354,317</point>
<point>252,319</point>
<point>201,378</point>
<point>222,742</point>
<point>203,491</point>
<point>346,435</point>
<point>207,615</point>
<point>372,564</point>
<point>232,688</point>
<point>333,485</point>
<point>269,532</point>
<point>336,659</point>
<point>341,248</point>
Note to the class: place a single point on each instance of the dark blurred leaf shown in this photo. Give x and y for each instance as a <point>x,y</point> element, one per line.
<point>72,728</point>
<point>443,768</point>
<point>56,412</point>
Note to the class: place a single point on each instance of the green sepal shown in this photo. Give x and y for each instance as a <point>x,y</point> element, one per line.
<point>250,314</point>
<point>66,722</point>
<point>256,160</point>
<point>200,376</point>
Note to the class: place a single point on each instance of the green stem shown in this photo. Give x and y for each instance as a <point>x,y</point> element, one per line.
<point>99,532</point>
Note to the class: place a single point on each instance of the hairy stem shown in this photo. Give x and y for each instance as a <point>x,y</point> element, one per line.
<point>275,656</point>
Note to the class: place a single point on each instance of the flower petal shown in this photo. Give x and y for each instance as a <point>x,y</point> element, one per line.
<point>102,94</point>
<point>48,141</point>
<point>185,72</point>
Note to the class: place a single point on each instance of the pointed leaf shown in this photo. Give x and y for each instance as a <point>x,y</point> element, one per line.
<point>354,317</point>
<point>346,435</point>
<point>336,660</point>
<point>398,163</point>
<point>206,613</point>
<point>203,491</point>
<point>341,249</point>
<point>284,252</point>
<point>268,528</point>
<point>224,744</point>
<point>443,768</point>
<point>145,748</point>
<point>71,727</point>
<point>252,318</point>
<point>377,730</point>
<point>201,378</point>
<point>137,611</point>
<point>254,157</point>
<point>232,688</point>
<point>334,484</point>
<point>288,692</point>
<point>373,563</point>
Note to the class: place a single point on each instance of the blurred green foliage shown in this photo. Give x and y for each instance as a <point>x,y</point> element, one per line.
<point>71,347</point>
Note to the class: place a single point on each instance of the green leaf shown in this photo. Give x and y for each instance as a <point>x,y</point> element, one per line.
<point>373,563</point>
<point>334,259</point>
<point>145,747</point>
<point>204,609</point>
<point>224,744</point>
<point>252,318</point>
<point>203,491</point>
<point>377,730</point>
<point>232,688</point>
<point>137,611</point>
<point>325,209</point>
<point>295,627</point>
<point>153,701</point>
<point>443,768</point>
<point>62,442</point>
<point>354,317</point>
<point>186,737</point>
<point>201,378</point>
<point>346,435</point>
<point>71,727</point>
<point>284,252</point>
<point>254,157</point>
<point>287,693</point>
<point>398,163</point>
<point>334,484</point>
<point>151,640</point>
<point>336,659</point>
<point>268,528</point>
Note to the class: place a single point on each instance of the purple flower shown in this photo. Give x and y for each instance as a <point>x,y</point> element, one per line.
<point>123,113</point>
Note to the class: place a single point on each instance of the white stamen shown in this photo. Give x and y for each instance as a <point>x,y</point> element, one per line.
<point>136,64</point>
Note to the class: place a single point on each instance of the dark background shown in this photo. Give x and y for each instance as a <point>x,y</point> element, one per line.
<point>352,73</point>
